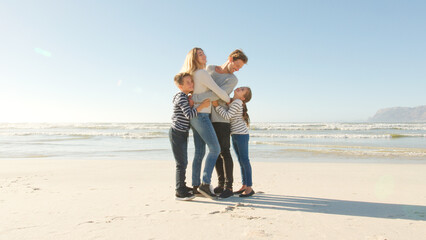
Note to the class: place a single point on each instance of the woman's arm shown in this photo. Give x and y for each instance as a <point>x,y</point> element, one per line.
<point>204,78</point>
<point>228,86</point>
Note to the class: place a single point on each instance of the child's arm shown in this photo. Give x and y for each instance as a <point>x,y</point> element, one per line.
<point>233,109</point>
<point>187,110</point>
<point>191,102</point>
<point>208,81</point>
<point>227,85</point>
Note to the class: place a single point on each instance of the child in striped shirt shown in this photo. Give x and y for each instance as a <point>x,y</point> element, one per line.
<point>183,111</point>
<point>237,114</point>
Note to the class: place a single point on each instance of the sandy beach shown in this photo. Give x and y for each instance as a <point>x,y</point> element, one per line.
<point>130,199</point>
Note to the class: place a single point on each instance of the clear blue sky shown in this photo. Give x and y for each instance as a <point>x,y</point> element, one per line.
<point>310,61</point>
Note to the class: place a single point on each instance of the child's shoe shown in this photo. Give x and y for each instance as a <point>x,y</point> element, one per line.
<point>248,194</point>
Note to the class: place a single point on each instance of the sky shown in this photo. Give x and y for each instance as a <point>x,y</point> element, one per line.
<point>114,61</point>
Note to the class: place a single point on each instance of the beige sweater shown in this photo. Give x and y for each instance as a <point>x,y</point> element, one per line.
<point>203,82</point>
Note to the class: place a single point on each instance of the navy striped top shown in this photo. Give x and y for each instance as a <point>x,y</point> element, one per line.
<point>182,112</point>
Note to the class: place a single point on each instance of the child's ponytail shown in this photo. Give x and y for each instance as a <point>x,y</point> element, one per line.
<point>247,98</point>
<point>246,117</point>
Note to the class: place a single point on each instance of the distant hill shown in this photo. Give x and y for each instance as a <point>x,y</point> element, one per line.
<point>400,114</point>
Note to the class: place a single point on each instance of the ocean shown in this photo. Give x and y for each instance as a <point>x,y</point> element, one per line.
<point>354,142</point>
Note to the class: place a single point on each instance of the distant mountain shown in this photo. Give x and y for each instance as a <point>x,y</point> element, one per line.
<point>400,114</point>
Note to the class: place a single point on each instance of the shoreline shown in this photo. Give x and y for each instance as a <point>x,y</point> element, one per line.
<point>298,159</point>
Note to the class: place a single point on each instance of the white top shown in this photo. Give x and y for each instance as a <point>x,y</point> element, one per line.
<point>203,82</point>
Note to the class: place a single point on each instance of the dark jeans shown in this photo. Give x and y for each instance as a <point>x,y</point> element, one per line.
<point>224,163</point>
<point>179,142</point>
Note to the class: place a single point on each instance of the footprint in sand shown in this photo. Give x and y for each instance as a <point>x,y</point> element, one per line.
<point>255,233</point>
<point>85,223</point>
<point>111,219</point>
<point>230,208</point>
<point>246,217</point>
<point>227,209</point>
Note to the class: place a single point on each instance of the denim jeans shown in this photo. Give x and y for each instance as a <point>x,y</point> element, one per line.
<point>179,142</point>
<point>204,134</point>
<point>224,163</point>
<point>240,143</point>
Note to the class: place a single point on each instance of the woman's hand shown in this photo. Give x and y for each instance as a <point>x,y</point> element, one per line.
<point>215,104</point>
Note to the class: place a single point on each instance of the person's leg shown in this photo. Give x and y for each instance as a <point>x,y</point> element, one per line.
<point>223,132</point>
<point>219,162</point>
<point>200,150</point>
<point>227,158</point>
<point>243,154</point>
<point>179,142</point>
<point>220,172</point>
<point>237,152</point>
<point>204,128</point>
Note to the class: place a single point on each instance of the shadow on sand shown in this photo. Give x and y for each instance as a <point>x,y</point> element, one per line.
<point>327,206</point>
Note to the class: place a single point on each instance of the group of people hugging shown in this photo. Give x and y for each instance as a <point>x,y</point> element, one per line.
<point>203,105</point>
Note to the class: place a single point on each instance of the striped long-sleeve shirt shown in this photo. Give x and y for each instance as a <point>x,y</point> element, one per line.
<point>182,112</point>
<point>235,114</point>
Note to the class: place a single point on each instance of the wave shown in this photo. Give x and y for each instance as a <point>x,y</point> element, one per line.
<point>402,135</point>
<point>335,136</point>
<point>361,153</point>
<point>258,130</point>
<point>87,135</point>
<point>369,151</point>
<point>338,126</point>
<point>142,150</point>
<point>26,155</point>
<point>72,135</point>
<point>116,126</point>
<point>254,126</point>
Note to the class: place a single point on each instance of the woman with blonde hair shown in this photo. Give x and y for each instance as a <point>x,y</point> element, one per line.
<point>203,131</point>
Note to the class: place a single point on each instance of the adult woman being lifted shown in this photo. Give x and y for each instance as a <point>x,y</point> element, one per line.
<point>203,131</point>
